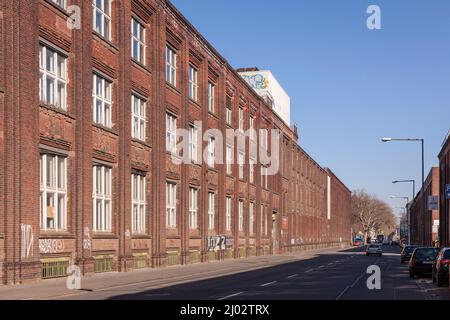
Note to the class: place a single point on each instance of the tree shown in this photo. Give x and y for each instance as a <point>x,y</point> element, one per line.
<point>371,214</point>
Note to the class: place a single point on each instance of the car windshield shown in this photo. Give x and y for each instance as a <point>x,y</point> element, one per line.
<point>410,249</point>
<point>426,254</point>
<point>447,254</point>
<point>373,246</point>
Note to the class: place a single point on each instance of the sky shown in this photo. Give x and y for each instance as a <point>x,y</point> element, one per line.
<point>349,86</point>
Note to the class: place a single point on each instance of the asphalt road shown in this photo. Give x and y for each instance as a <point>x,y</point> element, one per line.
<point>329,276</point>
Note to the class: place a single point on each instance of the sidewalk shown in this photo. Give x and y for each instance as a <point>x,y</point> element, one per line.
<point>152,278</point>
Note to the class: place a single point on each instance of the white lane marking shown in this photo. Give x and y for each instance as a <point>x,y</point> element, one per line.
<point>293,276</point>
<point>357,280</point>
<point>342,293</point>
<point>321,267</point>
<point>268,284</point>
<point>310,270</point>
<point>230,296</point>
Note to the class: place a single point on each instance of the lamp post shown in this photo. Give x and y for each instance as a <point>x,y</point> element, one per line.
<point>408,181</point>
<point>422,141</point>
<point>407,215</point>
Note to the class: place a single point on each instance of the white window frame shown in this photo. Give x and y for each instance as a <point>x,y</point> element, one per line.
<point>193,83</point>
<point>263,133</point>
<point>229,159</point>
<point>105,18</point>
<point>138,117</point>
<point>241,119</point>
<point>171,65</point>
<point>252,128</point>
<point>171,133</point>
<point>211,151</point>
<point>138,34</point>
<point>53,183</point>
<point>251,219</point>
<point>102,100</point>
<point>211,96</point>
<point>60,3</point>
<point>193,144</point>
<point>56,74</point>
<point>171,205</point>
<point>139,203</point>
<point>211,210</point>
<point>241,216</point>
<point>252,163</point>
<point>228,213</point>
<point>241,163</point>
<point>193,208</point>
<point>102,194</point>
<point>229,116</point>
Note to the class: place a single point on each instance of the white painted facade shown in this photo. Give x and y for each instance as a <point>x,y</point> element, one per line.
<point>266,85</point>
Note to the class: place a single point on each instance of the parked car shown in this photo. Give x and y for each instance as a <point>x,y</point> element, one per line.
<point>421,261</point>
<point>407,253</point>
<point>374,249</point>
<point>440,268</point>
<point>358,243</point>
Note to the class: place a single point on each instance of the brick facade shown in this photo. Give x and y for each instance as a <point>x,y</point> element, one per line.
<point>293,208</point>
<point>444,204</point>
<point>422,222</point>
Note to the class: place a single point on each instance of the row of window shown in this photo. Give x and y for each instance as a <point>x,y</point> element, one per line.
<point>53,200</point>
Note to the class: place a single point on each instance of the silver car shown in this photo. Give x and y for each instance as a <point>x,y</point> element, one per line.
<point>374,249</point>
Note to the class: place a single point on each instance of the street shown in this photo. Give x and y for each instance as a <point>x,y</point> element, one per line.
<point>329,275</point>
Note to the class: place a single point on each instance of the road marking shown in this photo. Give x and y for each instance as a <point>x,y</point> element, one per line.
<point>293,276</point>
<point>310,270</point>
<point>268,284</point>
<point>321,267</point>
<point>330,264</point>
<point>357,280</point>
<point>230,296</point>
<point>342,293</point>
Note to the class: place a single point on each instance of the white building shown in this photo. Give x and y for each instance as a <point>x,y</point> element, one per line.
<point>267,86</point>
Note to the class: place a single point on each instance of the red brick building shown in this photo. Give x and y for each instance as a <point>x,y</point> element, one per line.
<point>444,201</point>
<point>425,224</point>
<point>87,120</point>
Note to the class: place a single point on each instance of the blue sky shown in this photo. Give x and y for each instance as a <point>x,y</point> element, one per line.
<point>349,86</point>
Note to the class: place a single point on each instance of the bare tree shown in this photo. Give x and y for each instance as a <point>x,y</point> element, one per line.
<point>372,214</point>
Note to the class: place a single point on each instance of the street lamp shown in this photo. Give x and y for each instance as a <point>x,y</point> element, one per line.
<point>408,181</point>
<point>407,215</point>
<point>422,141</point>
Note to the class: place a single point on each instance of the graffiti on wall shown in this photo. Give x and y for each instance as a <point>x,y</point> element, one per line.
<point>257,81</point>
<point>50,246</point>
<point>27,244</point>
<point>216,243</point>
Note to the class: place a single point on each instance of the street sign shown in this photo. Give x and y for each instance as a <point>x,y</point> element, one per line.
<point>433,203</point>
<point>447,192</point>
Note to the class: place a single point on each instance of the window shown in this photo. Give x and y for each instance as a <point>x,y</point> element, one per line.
<point>251,219</point>
<point>193,143</point>
<point>263,220</point>
<point>171,66</point>
<point>252,170</point>
<point>211,210</point>
<point>264,177</point>
<point>211,152</point>
<point>229,110</point>
<point>229,206</point>
<point>241,216</point>
<point>52,77</point>
<point>263,133</point>
<point>53,187</point>
<point>102,101</point>
<point>171,133</point>
<point>252,128</point>
<point>229,159</point>
<point>241,161</point>
<point>193,207</point>
<point>193,83</point>
<point>61,3</point>
<point>137,41</point>
<point>102,198</point>
<point>241,119</point>
<point>211,96</point>
<point>102,17</point>
<point>229,116</point>
<point>139,203</point>
<point>138,117</point>
<point>171,205</point>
